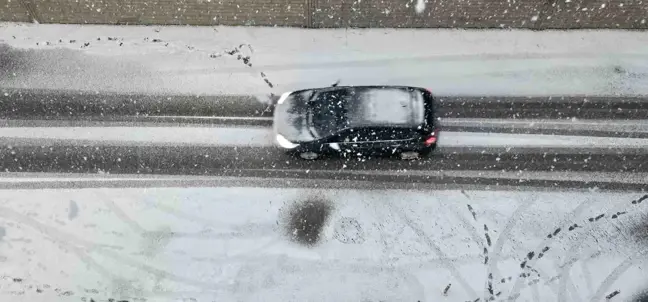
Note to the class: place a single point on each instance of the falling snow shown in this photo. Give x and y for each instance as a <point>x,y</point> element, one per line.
<point>148,161</point>
<point>420,6</point>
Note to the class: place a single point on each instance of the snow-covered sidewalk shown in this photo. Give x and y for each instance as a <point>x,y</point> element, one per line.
<point>243,244</point>
<point>246,60</point>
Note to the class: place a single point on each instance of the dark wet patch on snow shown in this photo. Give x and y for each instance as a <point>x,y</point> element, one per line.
<point>73,210</point>
<point>641,297</point>
<point>306,220</point>
<point>640,230</point>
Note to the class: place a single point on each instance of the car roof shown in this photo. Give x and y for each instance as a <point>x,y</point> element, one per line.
<point>382,107</point>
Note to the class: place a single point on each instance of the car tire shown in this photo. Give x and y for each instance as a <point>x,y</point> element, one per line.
<point>308,155</point>
<point>428,150</point>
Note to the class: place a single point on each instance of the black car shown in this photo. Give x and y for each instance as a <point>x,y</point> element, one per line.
<point>356,120</point>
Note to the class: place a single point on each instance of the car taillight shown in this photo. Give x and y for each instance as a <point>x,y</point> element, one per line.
<point>431,139</point>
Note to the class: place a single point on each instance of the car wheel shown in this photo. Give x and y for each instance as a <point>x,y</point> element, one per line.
<point>309,155</point>
<point>409,155</point>
<point>427,151</point>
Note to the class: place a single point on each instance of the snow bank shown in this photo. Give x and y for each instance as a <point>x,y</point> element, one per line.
<point>241,60</point>
<point>234,245</point>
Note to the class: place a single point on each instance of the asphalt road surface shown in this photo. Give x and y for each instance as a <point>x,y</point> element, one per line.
<point>32,108</point>
<point>268,161</point>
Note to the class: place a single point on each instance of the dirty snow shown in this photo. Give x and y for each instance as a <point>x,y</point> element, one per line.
<point>243,60</point>
<point>205,244</point>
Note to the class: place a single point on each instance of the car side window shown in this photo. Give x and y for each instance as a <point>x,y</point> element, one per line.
<point>361,135</point>
<point>389,134</point>
<point>351,136</point>
<point>343,137</point>
<point>375,134</point>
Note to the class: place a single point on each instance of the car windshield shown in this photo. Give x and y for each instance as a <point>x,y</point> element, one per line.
<point>334,110</point>
<point>328,111</point>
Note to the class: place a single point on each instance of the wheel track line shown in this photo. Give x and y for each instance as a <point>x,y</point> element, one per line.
<point>517,287</point>
<point>448,265</point>
<point>121,215</point>
<point>504,236</point>
<point>572,258</point>
<point>63,238</point>
<point>66,240</point>
<point>639,257</point>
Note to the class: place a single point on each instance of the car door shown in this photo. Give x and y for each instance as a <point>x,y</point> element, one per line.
<point>340,141</point>
<point>348,141</point>
<point>371,139</point>
<point>390,139</point>
<point>354,140</point>
<point>375,139</point>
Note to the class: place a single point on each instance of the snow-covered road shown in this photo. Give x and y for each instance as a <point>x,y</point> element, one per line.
<point>231,244</point>
<point>262,137</point>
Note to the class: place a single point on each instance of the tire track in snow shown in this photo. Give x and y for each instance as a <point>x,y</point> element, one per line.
<point>476,237</point>
<point>504,235</point>
<point>67,241</point>
<point>121,215</point>
<point>542,248</point>
<point>63,238</point>
<point>437,250</point>
<point>571,226</point>
<point>639,257</point>
<point>572,258</point>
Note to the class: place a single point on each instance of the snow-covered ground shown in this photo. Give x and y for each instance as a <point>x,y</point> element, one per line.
<point>235,244</point>
<point>240,244</point>
<point>263,137</point>
<point>75,180</point>
<point>239,60</point>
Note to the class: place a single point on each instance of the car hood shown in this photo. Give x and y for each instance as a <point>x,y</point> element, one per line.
<point>291,118</point>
